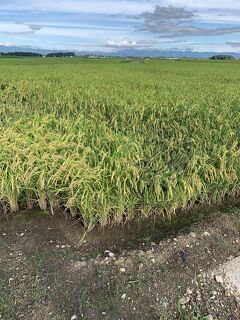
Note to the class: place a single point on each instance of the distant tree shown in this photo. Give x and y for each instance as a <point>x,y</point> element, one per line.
<point>222,57</point>
<point>60,54</point>
<point>21,54</point>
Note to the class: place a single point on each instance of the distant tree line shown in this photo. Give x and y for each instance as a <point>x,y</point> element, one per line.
<point>21,54</point>
<point>222,57</point>
<point>34,54</point>
<point>60,54</point>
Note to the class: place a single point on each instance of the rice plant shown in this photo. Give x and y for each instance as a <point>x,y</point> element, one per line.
<point>111,141</point>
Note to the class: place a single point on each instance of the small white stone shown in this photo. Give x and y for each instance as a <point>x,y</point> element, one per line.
<point>122,269</point>
<point>184,300</point>
<point>140,266</point>
<point>205,234</point>
<point>199,297</point>
<point>209,317</point>
<point>219,278</point>
<point>111,254</point>
<point>189,291</point>
<point>123,296</point>
<point>192,234</point>
<point>10,280</point>
<point>74,317</point>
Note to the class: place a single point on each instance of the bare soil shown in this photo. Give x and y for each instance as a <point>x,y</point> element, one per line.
<point>51,269</point>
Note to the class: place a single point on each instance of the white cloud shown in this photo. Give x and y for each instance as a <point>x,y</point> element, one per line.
<point>200,5</point>
<point>112,6</point>
<point>122,43</point>
<point>120,30</point>
<point>7,44</point>
<point>83,33</point>
<point>14,27</point>
<point>213,47</point>
<point>80,6</point>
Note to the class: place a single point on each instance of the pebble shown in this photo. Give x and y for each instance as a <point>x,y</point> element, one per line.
<point>80,264</point>
<point>10,280</point>
<point>122,269</point>
<point>205,234</point>
<point>192,234</point>
<point>209,317</point>
<point>74,317</point>
<point>110,254</point>
<point>184,300</point>
<point>189,291</point>
<point>140,266</point>
<point>123,296</point>
<point>198,298</point>
<point>219,278</point>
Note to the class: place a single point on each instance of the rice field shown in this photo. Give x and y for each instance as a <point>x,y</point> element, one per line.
<point>110,141</point>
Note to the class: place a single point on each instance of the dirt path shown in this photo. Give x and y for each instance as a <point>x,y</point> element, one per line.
<point>48,270</point>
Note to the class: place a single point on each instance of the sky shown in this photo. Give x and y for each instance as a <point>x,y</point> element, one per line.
<point>113,25</point>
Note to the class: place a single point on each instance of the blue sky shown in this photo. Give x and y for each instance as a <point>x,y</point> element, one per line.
<point>112,25</point>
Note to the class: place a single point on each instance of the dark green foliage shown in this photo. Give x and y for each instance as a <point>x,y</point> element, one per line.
<point>222,57</point>
<point>60,54</point>
<point>21,54</point>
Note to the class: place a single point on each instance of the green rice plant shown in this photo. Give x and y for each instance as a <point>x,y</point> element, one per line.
<point>111,142</point>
